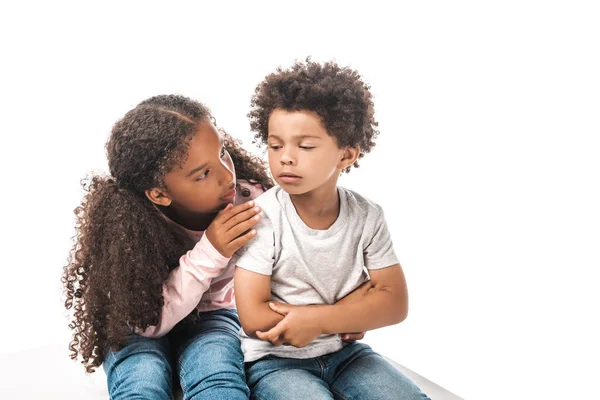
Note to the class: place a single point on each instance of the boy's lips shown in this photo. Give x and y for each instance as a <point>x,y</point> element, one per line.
<point>229,195</point>
<point>289,177</point>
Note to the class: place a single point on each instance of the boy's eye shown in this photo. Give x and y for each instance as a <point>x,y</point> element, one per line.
<point>307,147</point>
<point>204,175</point>
<point>275,146</point>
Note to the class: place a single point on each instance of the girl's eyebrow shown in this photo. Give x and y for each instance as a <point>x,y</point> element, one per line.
<point>200,168</point>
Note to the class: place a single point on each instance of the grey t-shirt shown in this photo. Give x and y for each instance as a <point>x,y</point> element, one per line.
<point>309,266</point>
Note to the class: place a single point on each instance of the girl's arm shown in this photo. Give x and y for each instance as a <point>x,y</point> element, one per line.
<point>186,285</point>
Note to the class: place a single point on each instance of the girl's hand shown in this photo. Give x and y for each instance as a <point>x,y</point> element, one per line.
<point>298,328</point>
<point>230,229</point>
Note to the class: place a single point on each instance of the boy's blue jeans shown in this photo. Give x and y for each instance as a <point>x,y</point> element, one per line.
<point>354,372</point>
<point>205,355</point>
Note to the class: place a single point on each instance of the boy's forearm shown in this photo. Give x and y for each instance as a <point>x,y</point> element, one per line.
<point>367,308</point>
<point>260,318</point>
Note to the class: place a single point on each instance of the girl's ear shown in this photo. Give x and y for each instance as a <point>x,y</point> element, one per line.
<point>349,157</point>
<point>158,197</point>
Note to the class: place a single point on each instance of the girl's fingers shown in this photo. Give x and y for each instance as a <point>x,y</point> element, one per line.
<point>231,211</point>
<point>245,215</point>
<point>235,244</point>
<point>242,227</point>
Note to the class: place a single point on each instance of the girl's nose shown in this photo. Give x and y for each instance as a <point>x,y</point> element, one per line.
<point>226,176</point>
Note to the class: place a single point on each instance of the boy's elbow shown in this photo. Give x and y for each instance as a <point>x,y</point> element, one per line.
<point>248,328</point>
<point>401,314</point>
<point>401,308</point>
<point>249,324</point>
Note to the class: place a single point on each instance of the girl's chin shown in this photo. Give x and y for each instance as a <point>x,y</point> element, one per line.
<point>225,204</point>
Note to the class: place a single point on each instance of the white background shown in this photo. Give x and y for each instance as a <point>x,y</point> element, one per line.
<point>487,164</point>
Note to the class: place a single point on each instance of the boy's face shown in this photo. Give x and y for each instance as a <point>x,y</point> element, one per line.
<point>302,156</point>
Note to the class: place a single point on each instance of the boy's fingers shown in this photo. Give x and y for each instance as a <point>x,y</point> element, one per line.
<point>351,337</point>
<point>267,337</point>
<point>274,334</point>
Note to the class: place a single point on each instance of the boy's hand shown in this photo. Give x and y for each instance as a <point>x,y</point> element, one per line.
<point>352,337</point>
<point>230,229</point>
<point>298,328</point>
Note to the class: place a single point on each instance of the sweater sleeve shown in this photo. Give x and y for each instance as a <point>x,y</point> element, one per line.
<point>186,284</point>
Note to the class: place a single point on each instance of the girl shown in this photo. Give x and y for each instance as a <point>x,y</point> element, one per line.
<point>139,307</point>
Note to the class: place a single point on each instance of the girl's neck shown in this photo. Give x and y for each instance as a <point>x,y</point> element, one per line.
<point>189,220</point>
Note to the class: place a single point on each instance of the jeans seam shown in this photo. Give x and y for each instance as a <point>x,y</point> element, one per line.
<point>339,394</point>
<point>116,367</point>
<point>181,373</point>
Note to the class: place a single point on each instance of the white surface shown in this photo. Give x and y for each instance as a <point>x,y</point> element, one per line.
<point>51,374</point>
<point>489,127</point>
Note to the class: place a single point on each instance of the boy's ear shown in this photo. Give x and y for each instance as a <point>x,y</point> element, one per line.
<point>349,157</point>
<point>158,197</point>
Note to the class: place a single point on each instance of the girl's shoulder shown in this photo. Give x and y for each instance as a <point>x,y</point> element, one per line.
<point>247,191</point>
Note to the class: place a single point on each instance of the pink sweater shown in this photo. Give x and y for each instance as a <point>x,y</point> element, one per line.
<point>203,279</point>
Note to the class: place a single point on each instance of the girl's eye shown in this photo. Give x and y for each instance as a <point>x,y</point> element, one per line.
<point>307,147</point>
<point>204,175</point>
<point>275,147</point>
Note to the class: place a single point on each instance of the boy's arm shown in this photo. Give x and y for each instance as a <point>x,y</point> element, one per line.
<point>381,302</point>
<point>384,302</point>
<point>253,294</point>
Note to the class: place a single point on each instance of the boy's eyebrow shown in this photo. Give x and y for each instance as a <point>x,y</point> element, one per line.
<point>200,168</point>
<point>296,137</point>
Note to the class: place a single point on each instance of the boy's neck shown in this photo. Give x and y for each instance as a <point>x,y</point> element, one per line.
<point>318,209</point>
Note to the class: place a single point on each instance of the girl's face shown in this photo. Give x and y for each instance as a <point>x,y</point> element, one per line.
<point>205,183</point>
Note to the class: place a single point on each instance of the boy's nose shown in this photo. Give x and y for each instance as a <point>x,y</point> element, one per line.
<point>286,160</point>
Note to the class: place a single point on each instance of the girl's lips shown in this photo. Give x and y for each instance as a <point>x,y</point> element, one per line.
<point>229,195</point>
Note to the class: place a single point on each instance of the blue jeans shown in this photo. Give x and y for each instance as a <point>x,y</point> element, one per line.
<point>205,356</point>
<point>354,372</point>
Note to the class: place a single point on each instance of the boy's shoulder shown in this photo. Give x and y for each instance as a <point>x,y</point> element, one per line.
<point>359,204</point>
<point>270,200</point>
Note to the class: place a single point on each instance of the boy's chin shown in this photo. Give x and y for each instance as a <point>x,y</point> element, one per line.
<point>295,191</point>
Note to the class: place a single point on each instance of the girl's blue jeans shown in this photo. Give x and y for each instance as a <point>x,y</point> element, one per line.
<point>205,356</point>
<point>354,372</point>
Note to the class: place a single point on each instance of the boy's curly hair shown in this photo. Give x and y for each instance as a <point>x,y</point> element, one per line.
<point>336,94</point>
<point>123,250</point>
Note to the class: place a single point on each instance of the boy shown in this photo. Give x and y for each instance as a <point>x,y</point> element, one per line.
<point>296,283</point>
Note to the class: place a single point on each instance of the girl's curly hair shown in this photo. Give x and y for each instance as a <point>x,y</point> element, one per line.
<point>123,250</point>
<point>336,94</point>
